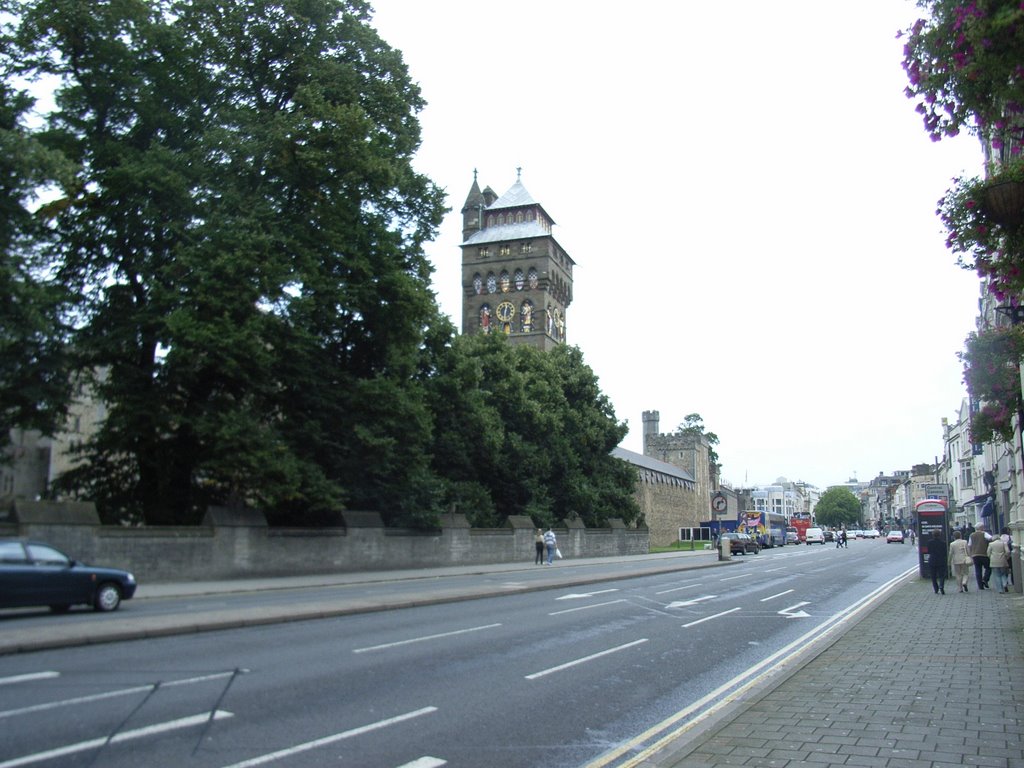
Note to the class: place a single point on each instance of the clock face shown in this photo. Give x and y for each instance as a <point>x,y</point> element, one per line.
<point>506,311</point>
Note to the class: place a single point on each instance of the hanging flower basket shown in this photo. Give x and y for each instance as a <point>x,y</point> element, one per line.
<point>1004,203</point>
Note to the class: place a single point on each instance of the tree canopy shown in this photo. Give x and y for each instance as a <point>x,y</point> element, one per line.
<point>837,507</point>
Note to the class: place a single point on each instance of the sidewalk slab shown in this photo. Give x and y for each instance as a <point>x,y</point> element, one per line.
<point>922,681</point>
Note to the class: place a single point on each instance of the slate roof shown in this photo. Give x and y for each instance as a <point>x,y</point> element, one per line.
<point>505,232</point>
<point>646,462</point>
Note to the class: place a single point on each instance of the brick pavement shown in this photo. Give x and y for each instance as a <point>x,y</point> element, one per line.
<point>923,681</point>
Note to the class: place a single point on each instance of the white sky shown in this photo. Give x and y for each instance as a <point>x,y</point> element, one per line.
<point>750,201</point>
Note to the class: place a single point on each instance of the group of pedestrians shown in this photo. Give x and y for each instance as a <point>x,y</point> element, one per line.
<point>986,553</point>
<point>545,540</point>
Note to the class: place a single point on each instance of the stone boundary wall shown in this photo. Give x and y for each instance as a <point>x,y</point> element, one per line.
<point>236,544</point>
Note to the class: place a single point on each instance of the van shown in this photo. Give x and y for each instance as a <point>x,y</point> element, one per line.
<point>814,536</point>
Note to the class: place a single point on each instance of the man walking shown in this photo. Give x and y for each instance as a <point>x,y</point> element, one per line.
<point>552,544</point>
<point>977,546</point>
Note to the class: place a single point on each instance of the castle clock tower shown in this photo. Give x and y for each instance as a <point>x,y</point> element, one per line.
<point>516,278</point>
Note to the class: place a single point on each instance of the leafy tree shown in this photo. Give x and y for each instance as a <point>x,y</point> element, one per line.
<point>243,234</point>
<point>34,383</point>
<point>519,431</point>
<point>837,507</point>
<point>693,425</point>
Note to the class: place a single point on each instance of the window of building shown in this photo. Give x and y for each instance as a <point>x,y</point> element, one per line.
<point>484,252</point>
<point>966,476</point>
<point>504,250</point>
<point>526,247</point>
<point>520,279</point>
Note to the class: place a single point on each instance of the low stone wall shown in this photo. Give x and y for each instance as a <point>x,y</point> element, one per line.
<point>239,544</point>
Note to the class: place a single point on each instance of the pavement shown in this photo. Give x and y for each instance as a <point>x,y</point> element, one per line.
<point>921,680</point>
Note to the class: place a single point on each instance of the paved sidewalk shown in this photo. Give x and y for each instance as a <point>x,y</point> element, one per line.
<point>923,681</point>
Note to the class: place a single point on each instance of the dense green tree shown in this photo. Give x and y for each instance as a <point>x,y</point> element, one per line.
<point>243,233</point>
<point>837,507</point>
<point>519,431</point>
<point>693,424</point>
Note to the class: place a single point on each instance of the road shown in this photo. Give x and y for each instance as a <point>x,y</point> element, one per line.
<point>564,677</point>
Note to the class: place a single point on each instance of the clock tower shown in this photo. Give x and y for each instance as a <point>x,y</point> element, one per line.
<point>516,278</point>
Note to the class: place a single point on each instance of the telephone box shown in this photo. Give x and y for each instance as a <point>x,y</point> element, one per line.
<point>930,515</point>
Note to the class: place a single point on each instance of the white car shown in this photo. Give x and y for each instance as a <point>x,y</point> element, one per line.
<point>814,536</point>
<point>870,533</point>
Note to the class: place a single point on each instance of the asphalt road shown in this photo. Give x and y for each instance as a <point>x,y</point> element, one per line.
<point>555,677</point>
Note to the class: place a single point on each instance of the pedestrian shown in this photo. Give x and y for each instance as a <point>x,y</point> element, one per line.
<point>960,559</point>
<point>938,565</point>
<point>913,536</point>
<point>999,560</point>
<point>1008,541</point>
<point>551,543</point>
<point>839,539</point>
<point>977,546</point>
<point>538,544</point>
<point>844,540</point>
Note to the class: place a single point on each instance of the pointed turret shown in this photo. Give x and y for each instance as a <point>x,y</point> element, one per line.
<point>472,210</point>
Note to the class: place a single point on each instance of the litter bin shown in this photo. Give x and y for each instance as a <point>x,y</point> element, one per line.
<point>724,549</point>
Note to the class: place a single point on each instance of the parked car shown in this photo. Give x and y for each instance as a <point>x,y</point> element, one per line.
<point>814,536</point>
<point>792,535</point>
<point>870,533</point>
<point>895,535</point>
<point>33,573</point>
<point>741,543</point>
<point>830,535</point>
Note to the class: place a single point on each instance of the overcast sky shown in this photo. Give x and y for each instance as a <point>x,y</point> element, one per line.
<point>750,202</point>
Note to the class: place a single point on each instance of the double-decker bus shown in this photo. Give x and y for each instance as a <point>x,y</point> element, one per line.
<point>801,523</point>
<point>768,528</point>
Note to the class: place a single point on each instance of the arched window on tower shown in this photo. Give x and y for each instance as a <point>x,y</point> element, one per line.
<point>532,278</point>
<point>478,283</point>
<point>520,279</point>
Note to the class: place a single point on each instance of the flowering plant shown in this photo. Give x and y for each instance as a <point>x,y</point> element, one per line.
<point>991,361</point>
<point>965,68</point>
<point>983,240</point>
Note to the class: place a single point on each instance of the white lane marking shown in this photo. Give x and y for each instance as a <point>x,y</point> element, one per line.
<point>424,638</point>
<point>29,677</point>
<point>587,607</point>
<point>793,613</point>
<point>780,594</point>
<point>585,659</point>
<point>709,618</point>
<point>110,695</point>
<point>772,570</point>
<point>677,589</point>
<point>728,692</point>
<point>117,738</point>
<point>733,578</point>
<point>585,594</point>
<point>299,748</point>
<point>425,762</point>
<point>695,601</point>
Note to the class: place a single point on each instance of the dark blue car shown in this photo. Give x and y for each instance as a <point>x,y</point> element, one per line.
<point>33,573</point>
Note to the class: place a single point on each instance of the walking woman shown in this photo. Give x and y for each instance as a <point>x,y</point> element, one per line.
<point>999,559</point>
<point>937,562</point>
<point>961,561</point>
<point>538,543</point>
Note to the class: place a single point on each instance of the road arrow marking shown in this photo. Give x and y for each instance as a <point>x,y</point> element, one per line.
<point>792,613</point>
<point>695,601</point>
<point>585,594</point>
